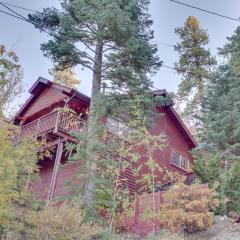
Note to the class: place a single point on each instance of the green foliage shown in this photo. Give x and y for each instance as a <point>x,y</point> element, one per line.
<point>232,188</point>
<point>220,132</point>
<point>195,65</point>
<point>222,110</point>
<point>100,147</point>
<point>113,35</point>
<point>113,154</point>
<point>17,169</point>
<point>208,166</point>
<point>110,38</point>
<point>10,77</point>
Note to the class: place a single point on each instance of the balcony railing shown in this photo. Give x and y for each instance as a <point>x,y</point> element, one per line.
<point>52,122</point>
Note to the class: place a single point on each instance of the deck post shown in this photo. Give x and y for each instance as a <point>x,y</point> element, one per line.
<point>57,121</point>
<point>37,128</point>
<point>55,169</point>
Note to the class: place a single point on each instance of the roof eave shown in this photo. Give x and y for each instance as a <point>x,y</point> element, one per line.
<point>191,139</point>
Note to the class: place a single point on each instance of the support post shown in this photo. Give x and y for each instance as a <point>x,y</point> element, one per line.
<point>57,121</point>
<point>37,128</point>
<point>55,169</point>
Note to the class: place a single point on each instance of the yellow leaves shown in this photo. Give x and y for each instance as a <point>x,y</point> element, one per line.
<point>65,77</point>
<point>192,22</point>
<point>2,50</point>
<point>188,206</point>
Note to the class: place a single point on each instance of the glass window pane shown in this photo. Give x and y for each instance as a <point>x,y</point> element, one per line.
<point>179,160</point>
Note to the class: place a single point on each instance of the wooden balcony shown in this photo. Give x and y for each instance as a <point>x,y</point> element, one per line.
<point>54,122</point>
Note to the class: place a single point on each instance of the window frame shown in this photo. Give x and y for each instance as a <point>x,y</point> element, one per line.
<point>185,166</point>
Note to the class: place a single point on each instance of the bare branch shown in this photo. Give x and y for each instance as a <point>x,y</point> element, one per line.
<point>90,58</point>
<point>87,66</point>
<point>90,29</point>
<point>86,45</point>
<point>110,47</point>
<point>106,68</point>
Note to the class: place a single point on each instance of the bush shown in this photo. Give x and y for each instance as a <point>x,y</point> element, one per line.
<point>17,169</point>
<point>188,207</point>
<point>56,223</point>
<point>232,188</point>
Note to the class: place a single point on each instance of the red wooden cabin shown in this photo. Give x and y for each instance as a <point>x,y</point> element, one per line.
<point>40,116</point>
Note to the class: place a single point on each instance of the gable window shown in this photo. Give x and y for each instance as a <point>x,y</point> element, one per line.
<point>179,160</point>
<point>117,127</point>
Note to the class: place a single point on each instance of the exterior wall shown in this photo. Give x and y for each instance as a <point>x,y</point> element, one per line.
<point>41,187</point>
<point>67,179</point>
<point>175,141</point>
<point>47,97</point>
<point>164,124</point>
<point>66,174</point>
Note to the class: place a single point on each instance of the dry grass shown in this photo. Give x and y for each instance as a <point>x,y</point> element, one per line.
<point>58,223</point>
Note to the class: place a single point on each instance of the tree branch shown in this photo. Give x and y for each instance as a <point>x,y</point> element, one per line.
<point>90,58</point>
<point>87,66</point>
<point>86,45</point>
<point>110,48</point>
<point>90,29</point>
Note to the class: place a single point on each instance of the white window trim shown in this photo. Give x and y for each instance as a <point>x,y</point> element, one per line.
<point>181,158</point>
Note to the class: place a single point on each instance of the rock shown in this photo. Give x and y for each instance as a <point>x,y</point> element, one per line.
<point>234,215</point>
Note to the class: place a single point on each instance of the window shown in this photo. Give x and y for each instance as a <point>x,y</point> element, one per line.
<point>117,128</point>
<point>179,160</point>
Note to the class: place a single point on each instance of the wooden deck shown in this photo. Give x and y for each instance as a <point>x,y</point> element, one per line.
<point>53,122</point>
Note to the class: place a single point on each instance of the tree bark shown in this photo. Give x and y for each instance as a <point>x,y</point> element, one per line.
<point>93,121</point>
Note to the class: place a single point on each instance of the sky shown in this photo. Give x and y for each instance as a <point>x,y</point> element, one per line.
<point>25,40</point>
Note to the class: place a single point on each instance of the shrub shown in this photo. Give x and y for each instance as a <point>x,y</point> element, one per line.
<point>232,188</point>
<point>188,207</point>
<point>56,223</point>
<point>17,169</point>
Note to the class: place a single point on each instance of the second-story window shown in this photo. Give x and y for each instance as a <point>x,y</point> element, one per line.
<point>117,127</point>
<point>179,160</point>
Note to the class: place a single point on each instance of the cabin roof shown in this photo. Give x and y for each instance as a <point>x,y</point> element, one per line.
<point>37,88</point>
<point>182,127</point>
<point>41,83</point>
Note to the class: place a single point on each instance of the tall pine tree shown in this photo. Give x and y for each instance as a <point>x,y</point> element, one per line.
<point>222,110</point>
<point>195,65</point>
<point>110,38</point>
<point>221,126</point>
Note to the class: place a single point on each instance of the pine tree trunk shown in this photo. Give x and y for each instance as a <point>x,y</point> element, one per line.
<point>92,122</point>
